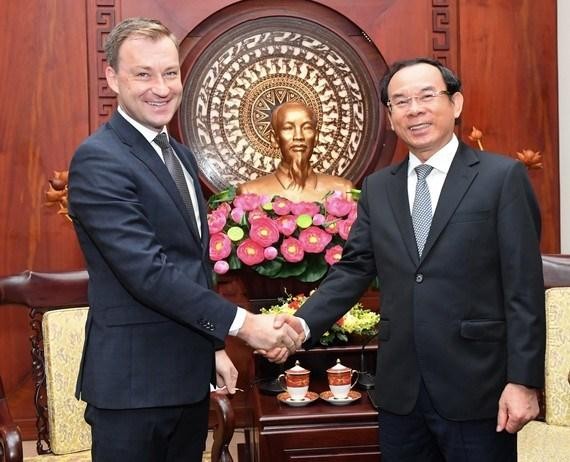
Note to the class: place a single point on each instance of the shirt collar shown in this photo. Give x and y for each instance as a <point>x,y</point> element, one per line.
<point>149,134</point>
<point>441,160</point>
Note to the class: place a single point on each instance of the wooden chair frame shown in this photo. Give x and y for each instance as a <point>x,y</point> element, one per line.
<point>41,292</point>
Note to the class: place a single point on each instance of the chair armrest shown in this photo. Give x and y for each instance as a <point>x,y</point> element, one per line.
<point>10,436</point>
<point>224,428</point>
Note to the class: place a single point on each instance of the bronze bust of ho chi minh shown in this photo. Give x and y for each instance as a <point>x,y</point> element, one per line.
<point>294,132</point>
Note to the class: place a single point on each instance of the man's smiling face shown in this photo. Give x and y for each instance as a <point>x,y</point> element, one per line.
<point>425,128</point>
<point>147,81</point>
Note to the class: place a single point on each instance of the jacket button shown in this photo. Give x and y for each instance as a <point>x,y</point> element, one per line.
<point>419,278</point>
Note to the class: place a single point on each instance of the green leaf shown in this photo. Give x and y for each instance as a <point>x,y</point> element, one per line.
<point>234,262</point>
<point>270,269</point>
<point>355,193</point>
<point>316,268</point>
<point>226,195</point>
<point>293,269</point>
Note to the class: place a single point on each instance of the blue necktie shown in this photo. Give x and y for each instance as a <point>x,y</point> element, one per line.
<point>421,210</point>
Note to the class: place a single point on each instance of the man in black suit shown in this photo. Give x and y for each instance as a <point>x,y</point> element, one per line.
<point>156,328</point>
<point>462,334</point>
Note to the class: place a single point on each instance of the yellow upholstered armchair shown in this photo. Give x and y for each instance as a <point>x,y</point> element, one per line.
<point>549,440</point>
<point>57,308</point>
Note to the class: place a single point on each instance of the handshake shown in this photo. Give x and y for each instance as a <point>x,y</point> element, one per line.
<point>275,337</point>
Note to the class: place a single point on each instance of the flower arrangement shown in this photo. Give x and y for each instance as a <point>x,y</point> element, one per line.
<point>276,237</point>
<point>357,321</point>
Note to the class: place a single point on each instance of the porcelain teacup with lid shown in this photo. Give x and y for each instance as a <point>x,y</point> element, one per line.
<point>295,381</point>
<point>341,379</point>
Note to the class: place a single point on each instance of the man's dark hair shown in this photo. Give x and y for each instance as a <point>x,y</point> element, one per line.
<point>452,82</point>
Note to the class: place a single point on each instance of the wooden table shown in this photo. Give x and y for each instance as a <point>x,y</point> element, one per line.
<point>318,432</point>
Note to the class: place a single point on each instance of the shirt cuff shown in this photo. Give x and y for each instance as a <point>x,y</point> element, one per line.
<point>238,321</point>
<point>305,328</point>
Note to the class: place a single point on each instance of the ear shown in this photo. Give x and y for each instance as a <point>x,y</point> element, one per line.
<point>390,120</point>
<point>273,139</point>
<point>457,100</point>
<point>112,79</point>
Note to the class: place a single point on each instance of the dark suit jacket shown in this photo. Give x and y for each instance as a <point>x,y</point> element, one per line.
<point>469,316</point>
<point>154,322</point>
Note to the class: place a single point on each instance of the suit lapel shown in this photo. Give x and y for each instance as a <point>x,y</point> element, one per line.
<point>398,198</point>
<point>142,149</point>
<point>462,172</point>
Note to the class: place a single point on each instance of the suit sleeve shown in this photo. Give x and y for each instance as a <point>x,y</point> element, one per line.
<point>523,285</point>
<point>105,204</point>
<point>347,279</point>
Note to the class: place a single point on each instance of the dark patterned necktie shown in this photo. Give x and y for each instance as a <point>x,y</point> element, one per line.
<point>421,210</point>
<point>175,168</point>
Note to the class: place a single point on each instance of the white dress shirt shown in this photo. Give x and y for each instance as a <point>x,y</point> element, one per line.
<point>440,161</point>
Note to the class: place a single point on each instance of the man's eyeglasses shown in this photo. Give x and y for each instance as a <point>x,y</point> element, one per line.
<point>402,103</point>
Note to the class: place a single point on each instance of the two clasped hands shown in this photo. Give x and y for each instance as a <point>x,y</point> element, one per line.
<point>275,337</point>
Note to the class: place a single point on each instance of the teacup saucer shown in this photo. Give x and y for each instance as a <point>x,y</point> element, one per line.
<point>351,398</point>
<point>308,399</point>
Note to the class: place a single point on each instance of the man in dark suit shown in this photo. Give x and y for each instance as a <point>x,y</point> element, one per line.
<point>462,334</point>
<point>156,328</point>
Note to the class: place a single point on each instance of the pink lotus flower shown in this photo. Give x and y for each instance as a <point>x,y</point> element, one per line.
<point>331,224</point>
<point>281,206</point>
<point>248,202</point>
<point>225,208</point>
<point>318,219</point>
<point>237,214</point>
<point>286,224</point>
<point>333,254</point>
<point>292,250</point>
<point>270,253</point>
<point>221,267</point>
<point>314,240</point>
<point>220,246</point>
<point>255,214</point>
<point>250,252</point>
<point>264,231</point>
<point>338,205</point>
<point>352,213</point>
<point>216,221</point>
<point>305,208</point>
<point>344,227</point>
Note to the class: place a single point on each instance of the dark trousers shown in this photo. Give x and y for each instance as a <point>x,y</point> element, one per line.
<point>166,434</point>
<point>425,436</point>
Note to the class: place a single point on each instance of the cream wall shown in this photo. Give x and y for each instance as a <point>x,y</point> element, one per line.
<point>564,120</point>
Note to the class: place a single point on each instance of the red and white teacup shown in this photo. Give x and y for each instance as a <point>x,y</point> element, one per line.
<point>341,380</point>
<point>295,381</point>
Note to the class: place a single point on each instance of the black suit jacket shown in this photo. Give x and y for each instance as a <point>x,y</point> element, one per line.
<point>154,322</point>
<point>467,317</point>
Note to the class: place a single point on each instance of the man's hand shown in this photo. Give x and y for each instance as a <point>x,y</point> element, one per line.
<point>259,332</point>
<point>226,373</point>
<point>280,354</point>
<point>517,406</point>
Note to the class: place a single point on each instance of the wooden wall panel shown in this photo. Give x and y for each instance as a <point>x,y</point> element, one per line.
<point>43,118</point>
<point>54,96</point>
<point>509,71</point>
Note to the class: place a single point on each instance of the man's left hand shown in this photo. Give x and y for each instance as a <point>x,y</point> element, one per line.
<point>226,373</point>
<point>517,406</point>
